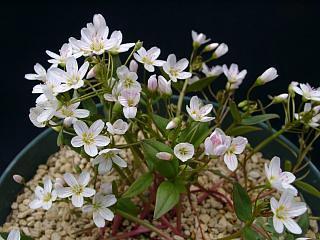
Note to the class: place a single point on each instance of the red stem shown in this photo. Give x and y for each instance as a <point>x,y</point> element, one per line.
<point>206,194</point>
<point>116,224</point>
<point>166,223</point>
<point>179,214</point>
<point>132,233</point>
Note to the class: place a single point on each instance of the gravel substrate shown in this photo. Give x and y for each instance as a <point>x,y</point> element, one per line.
<point>209,218</point>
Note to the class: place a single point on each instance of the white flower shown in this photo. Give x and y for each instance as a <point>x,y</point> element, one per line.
<point>152,83</point>
<point>313,119</point>
<point>280,98</point>
<point>233,75</point>
<point>89,137</point>
<point>214,71</point>
<point>71,113</point>
<point>218,144</point>
<point>33,116</point>
<point>115,43</point>
<point>184,151</point>
<point>220,51</point>
<point>307,92</point>
<point>129,99</point>
<point>268,75</point>
<point>77,189</point>
<point>113,96</point>
<point>128,79</point>
<point>198,111</point>
<point>164,86</point>
<point>277,178</point>
<point>105,159</point>
<point>73,77</point>
<point>119,127</point>
<point>164,156</point>
<point>199,39</point>
<point>94,38</point>
<point>46,109</point>
<point>40,75</point>
<point>92,72</point>
<point>149,58</point>
<point>99,208</point>
<point>175,69</point>
<point>14,234</point>
<point>286,209</point>
<point>44,196</point>
<point>65,52</point>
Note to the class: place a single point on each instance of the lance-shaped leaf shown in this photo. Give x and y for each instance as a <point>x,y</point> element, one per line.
<point>241,130</point>
<point>139,185</point>
<point>167,197</point>
<point>307,188</point>
<point>242,203</point>
<point>200,84</point>
<point>258,119</point>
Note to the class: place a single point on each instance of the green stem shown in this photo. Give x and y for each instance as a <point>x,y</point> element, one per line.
<point>144,223</point>
<point>232,236</point>
<point>181,96</point>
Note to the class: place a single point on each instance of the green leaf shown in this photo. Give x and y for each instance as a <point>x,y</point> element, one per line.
<point>167,197</point>
<point>304,223</point>
<point>60,139</point>
<point>236,115</point>
<point>139,185</point>
<point>196,133</point>
<point>241,130</point>
<point>126,205</point>
<point>307,188</point>
<point>249,234</point>
<point>161,123</point>
<point>242,203</point>
<point>200,84</point>
<point>258,119</point>
<point>90,105</point>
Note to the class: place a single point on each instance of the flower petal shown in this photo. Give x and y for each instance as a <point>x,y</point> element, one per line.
<point>292,226</point>
<point>80,127</point>
<point>231,161</point>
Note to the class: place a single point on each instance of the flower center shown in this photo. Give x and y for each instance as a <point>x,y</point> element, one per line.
<point>73,80</point>
<point>66,112</point>
<point>109,155</point>
<point>183,151</point>
<point>47,197</point>
<point>87,138</point>
<point>280,212</point>
<point>174,72</point>
<point>77,189</point>
<point>146,60</point>
<point>97,45</point>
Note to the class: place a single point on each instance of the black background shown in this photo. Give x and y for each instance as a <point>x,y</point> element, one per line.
<point>259,34</point>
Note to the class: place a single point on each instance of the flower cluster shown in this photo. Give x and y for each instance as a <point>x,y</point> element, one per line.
<point>96,96</point>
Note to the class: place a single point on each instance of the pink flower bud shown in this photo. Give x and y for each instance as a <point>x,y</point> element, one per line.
<point>92,72</point>
<point>18,179</point>
<point>164,156</point>
<point>173,123</point>
<point>152,83</point>
<point>133,66</point>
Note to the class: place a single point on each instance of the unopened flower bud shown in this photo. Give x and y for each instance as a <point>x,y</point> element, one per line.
<point>138,45</point>
<point>220,51</point>
<point>152,83</point>
<point>173,123</point>
<point>93,71</point>
<point>164,156</point>
<point>269,75</point>
<point>280,98</point>
<point>243,103</point>
<point>18,179</point>
<point>210,47</point>
<point>164,86</point>
<point>291,86</point>
<point>58,183</point>
<point>133,66</point>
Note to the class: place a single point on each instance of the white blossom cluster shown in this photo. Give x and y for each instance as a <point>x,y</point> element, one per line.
<point>86,68</point>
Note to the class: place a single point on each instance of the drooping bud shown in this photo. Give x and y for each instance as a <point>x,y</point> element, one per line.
<point>92,72</point>
<point>220,51</point>
<point>133,66</point>
<point>18,179</point>
<point>280,98</point>
<point>164,86</point>
<point>173,123</point>
<point>210,47</point>
<point>164,156</point>
<point>138,45</point>
<point>268,75</point>
<point>152,83</point>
